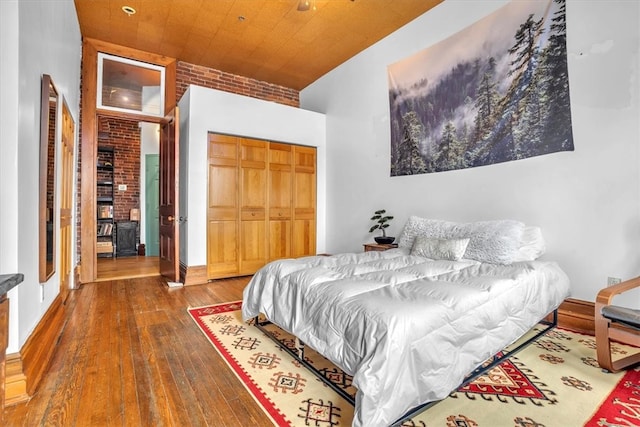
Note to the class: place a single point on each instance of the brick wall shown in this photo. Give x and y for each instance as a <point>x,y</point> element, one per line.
<point>187,74</point>
<point>124,136</point>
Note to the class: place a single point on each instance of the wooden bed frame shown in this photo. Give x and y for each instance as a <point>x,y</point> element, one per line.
<point>298,354</point>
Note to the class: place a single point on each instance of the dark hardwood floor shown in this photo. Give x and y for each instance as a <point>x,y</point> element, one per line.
<point>130,355</point>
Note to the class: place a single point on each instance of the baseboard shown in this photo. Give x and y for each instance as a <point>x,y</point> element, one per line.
<point>193,275</point>
<point>76,277</point>
<point>15,389</point>
<point>38,350</point>
<point>577,315</point>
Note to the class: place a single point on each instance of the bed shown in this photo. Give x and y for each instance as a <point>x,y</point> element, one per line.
<point>409,324</point>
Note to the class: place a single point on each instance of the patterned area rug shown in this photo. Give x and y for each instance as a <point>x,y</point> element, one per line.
<point>555,381</point>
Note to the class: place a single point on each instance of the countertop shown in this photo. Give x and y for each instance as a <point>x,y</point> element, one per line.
<point>9,281</point>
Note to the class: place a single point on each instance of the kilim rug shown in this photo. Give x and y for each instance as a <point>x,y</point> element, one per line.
<point>555,381</point>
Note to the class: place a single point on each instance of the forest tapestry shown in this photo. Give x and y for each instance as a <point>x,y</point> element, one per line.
<point>495,92</point>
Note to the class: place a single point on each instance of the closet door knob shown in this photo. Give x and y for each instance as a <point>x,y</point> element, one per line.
<point>170,218</point>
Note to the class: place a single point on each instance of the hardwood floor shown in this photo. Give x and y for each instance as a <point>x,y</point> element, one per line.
<point>127,268</point>
<point>130,355</point>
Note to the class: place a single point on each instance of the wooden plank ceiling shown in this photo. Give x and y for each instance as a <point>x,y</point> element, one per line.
<point>268,40</point>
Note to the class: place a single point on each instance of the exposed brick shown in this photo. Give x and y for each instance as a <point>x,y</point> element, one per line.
<point>187,74</point>
<point>124,137</point>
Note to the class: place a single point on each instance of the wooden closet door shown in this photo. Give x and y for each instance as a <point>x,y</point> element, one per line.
<point>253,203</point>
<point>280,200</point>
<point>223,205</point>
<point>304,201</point>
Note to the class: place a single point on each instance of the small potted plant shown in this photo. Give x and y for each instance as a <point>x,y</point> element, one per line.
<point>382,222</point>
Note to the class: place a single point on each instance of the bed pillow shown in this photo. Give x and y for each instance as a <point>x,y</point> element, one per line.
<point>416,226</point>
<point>496,242</point>
<point>449,249</point>
<point>532,245</point>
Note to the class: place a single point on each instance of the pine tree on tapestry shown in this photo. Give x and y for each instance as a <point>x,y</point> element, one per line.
<point>409,160</point>
<point>556,84</point>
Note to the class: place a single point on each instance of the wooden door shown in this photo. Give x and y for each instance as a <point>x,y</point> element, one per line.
<point>253,205</point>
<point>304,201</point>
<point>66,201</point>
<point>168,195</point>
<point>223,204</point>
<point>280,200</point>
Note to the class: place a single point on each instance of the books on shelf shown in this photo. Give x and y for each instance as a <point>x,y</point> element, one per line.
<point>105,230</point>
<point>105,211</point>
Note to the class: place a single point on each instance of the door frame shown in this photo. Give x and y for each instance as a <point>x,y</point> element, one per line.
<point>89,137</point>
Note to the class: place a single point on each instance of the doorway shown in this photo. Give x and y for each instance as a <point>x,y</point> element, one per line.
<point>133,143</point>
<point>90,139</point>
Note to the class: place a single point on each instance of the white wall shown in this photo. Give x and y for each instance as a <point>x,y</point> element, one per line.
<point>205,110</point>
<point>36,38</point>
<point>587,201</point>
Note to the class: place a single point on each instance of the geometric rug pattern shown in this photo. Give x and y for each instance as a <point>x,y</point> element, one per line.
<point>554,381</point>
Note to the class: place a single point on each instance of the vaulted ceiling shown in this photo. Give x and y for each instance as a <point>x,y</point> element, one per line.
<point>267,40</point>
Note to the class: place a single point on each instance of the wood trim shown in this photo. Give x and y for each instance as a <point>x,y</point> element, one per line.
<point>76,277</point>
<point>193,275</point>
<point>89,134</point>
<point>170,74</point>
<point>88,142</point>
<point>130,53</point>
<point>577,315</point>
<point>15,381</point>
<point>39,349</point>
<point>102,113</point>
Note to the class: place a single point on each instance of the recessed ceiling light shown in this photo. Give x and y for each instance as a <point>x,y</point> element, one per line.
<point>128,10</point>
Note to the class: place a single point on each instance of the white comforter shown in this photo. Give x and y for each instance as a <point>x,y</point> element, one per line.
<point>407,328</point>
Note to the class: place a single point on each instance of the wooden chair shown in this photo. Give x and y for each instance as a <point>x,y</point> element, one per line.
<point>614,323</point>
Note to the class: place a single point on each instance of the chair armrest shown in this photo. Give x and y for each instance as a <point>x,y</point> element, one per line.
<point>605,295</point>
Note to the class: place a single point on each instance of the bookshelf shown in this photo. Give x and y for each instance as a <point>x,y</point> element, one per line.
<point>104,202</point>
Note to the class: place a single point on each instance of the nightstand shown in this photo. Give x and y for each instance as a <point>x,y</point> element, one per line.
<point>378,246</point>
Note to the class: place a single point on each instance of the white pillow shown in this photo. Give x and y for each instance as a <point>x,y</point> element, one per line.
<point>417,226</point>
<point>450,249</point>
<point>532,245</point>
<point>496,242</point>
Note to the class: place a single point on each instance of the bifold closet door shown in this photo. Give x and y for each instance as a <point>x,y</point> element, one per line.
<point>304,201</point>
<point>280,200</point>
<point>253,205</point>
<point>261,204</point>
<point>223,205</point>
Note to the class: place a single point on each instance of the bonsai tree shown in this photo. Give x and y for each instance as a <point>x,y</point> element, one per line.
<point>382,221</point>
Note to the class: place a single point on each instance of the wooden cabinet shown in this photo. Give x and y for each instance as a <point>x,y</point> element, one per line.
<point>261,204</point>
<point>379,246</point>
